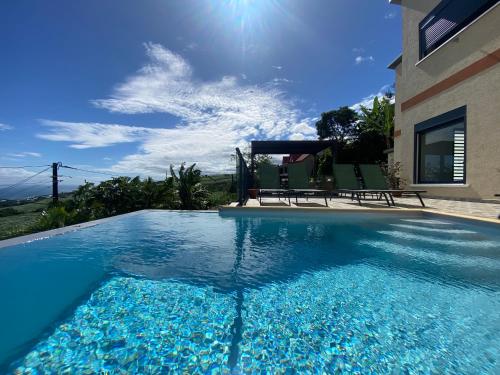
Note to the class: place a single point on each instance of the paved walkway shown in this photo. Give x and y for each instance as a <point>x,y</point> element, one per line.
<point>489,210</point>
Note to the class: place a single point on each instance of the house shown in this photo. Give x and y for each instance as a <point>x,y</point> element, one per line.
<point>447,115</point>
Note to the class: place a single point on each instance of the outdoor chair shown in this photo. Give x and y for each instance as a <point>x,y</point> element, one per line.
<point>269,182</point>
<point>375,180</point>
<point>346,182</point>
<point>299,175</point>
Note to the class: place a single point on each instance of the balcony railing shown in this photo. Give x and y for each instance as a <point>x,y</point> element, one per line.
<point>446,19</point>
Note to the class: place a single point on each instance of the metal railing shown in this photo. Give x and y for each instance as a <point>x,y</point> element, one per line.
<point>243,178</point>
<point>446,19</point>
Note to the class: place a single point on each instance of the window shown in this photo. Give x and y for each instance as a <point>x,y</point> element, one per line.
<point>440,149</point>
<point>446,19</point>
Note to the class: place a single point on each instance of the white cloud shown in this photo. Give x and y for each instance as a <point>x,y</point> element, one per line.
<point>90,135</point>
<point>277,67</point>
<point>25,154</point>
<point>361,59</point>
<point>368,100</point>
<point>358,50</point>
<point>214,117</point>
<point>191,46</point>
<point>390,15</point>
<point>4,127</point>
<point>282,80</point>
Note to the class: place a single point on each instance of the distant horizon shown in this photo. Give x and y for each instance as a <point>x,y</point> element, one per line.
<point>130,88</point>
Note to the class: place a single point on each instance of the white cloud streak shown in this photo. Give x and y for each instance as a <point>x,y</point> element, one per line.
<point>390,15</point>
<point>25,154</point>
<point>361,59</point>
<point>4,127</point>
<point>214,117</point>
<point>368,100</point>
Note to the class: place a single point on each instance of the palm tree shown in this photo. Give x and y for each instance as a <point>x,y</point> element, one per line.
<point>192,194</point>
<point>380,118</point>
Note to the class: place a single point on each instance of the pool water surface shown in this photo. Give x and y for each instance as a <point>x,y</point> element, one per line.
<point>203,292</point>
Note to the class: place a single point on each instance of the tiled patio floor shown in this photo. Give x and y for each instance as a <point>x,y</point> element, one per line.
<point>489,210</point>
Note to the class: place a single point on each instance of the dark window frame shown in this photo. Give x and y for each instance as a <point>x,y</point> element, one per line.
<point>435,123</point>
<point>423,50</point>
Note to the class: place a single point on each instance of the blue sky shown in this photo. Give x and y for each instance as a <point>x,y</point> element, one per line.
<point>128,87</point>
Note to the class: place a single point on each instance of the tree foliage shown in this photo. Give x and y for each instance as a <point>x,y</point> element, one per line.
<point>181,190</point>
<point>360,138</point>
<point>192,194</point>
<point>379,118</point>
<point>338,125</point>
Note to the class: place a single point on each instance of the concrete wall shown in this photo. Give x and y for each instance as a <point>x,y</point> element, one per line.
<point>480,93</point>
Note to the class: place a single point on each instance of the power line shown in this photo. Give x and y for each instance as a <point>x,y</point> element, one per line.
<point>25,166</point>
<point>24,180</point>
<point>86,170</point>
<point>33,189</point>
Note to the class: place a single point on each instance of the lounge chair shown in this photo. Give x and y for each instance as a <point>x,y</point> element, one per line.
<point>299,175</point>
<point>269,182</point>
<point>346,182</point>
<point>375,180</point>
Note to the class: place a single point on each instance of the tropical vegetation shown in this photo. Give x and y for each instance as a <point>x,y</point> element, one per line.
<point>183,189</point>
<point>360,137</point>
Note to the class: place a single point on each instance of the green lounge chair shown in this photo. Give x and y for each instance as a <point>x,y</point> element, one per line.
<point>344,177</point>
<point>299,175</point>
<point>375,180</point>
<point>346,182</point>
<point>269,182</point>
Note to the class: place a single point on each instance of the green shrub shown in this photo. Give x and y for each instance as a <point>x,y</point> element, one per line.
<point>8,212</point>
<point>54,217</point>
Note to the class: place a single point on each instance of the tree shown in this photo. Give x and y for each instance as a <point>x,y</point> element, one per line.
<point>192,194</point>
<point>338,125</point>
<point>379,118</point>
<point>260,159</point>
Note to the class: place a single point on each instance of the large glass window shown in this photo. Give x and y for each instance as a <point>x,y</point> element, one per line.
<point>441,153</point>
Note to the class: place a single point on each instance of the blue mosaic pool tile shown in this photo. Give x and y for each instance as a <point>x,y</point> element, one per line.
<point>140,326</point>
<point>365,320</point>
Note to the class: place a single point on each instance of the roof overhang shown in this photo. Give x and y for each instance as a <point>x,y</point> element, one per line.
<point>290,147</point>
<point>395,62</point>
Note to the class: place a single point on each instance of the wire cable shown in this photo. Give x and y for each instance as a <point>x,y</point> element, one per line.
<point>86,170</point>
<point>24,180</point>
<point>24,166</point>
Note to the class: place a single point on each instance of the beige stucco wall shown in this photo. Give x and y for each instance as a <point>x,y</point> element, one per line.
<point>480,93</point>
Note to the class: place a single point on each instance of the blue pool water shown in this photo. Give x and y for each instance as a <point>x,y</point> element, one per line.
<point>160,292</point>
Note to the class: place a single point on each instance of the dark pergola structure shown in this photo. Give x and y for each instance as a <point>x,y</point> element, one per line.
<point>245,174</point>
<point>288,147</point>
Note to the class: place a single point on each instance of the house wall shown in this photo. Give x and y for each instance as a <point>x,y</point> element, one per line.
<point>480,93</point>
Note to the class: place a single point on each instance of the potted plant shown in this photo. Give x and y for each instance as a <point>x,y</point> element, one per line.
<point>252,193</point>
<point>393,176</point>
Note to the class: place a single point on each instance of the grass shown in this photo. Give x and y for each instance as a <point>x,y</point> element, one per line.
<point>18,219</point>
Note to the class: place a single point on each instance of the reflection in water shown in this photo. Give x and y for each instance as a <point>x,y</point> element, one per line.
<point>233,253</point>
<point>248,261</point>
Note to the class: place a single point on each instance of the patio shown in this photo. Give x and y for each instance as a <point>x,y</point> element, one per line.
<point>484,210</point>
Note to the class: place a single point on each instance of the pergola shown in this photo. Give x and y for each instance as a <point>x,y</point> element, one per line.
<point>288,147</point>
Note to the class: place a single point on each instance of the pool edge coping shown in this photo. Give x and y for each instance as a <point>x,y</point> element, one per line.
<point>362,210</point>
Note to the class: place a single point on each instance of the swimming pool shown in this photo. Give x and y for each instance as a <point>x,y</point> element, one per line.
<point>205,292</point>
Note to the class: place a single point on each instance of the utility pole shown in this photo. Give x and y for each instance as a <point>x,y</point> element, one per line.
<point>55,187</point>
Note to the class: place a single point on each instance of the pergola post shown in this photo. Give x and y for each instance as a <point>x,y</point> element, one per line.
<point>252,167</point>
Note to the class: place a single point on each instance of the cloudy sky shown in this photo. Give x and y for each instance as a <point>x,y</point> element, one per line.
<point>129,87</point>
